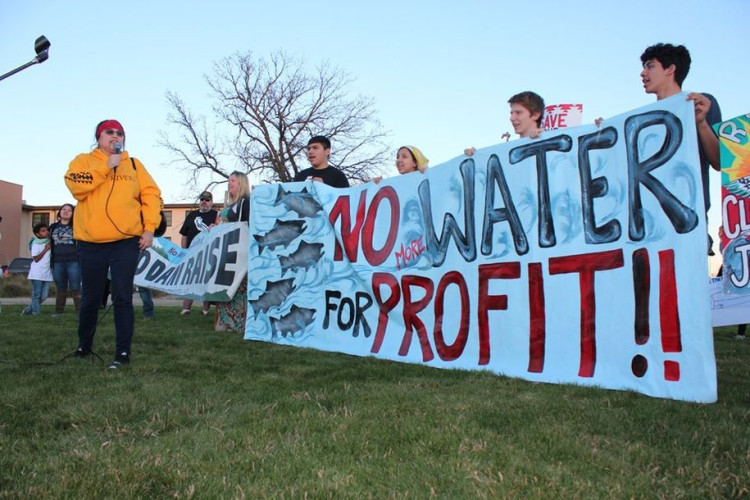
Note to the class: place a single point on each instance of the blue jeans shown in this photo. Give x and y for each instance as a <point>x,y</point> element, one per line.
<point>148,301</point>
<point>121,258</point>
<point>39,293</point>
<point>67,276</point>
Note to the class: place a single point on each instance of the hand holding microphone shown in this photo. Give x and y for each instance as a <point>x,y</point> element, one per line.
<point>114,158</point>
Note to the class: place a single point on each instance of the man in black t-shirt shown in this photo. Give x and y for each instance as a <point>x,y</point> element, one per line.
<point>195,222</point>
<point>318,151</point>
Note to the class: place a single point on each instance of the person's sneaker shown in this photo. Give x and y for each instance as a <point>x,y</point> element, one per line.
<point>81,353</point>
<point>205,312</point>
<point>26,312</point>
<point>56,314</point>
<point>185,311</point>
<point>148,318</point>
<point>120,360</point>
<point>739,337</point>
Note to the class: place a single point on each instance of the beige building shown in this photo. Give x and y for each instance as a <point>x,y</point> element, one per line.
<point>18,218</point>
<point>11,211</point>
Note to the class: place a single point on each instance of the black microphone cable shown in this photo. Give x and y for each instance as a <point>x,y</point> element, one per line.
<point>117,150</point>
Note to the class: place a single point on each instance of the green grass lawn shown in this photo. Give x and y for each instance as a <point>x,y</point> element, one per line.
<point>200,414</point>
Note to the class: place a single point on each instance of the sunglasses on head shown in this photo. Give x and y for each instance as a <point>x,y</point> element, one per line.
<point>112,131</point>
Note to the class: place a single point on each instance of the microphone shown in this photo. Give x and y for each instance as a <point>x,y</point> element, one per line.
<point>117,148</point>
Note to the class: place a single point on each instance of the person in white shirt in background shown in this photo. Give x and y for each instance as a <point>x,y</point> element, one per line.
<point>40,272</point>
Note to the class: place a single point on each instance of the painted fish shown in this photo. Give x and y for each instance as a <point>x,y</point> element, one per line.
<point>306,255</point>
<point>301,202</point>
<point>282,233</point>
<point>297,320</point>
<point>275,295</point>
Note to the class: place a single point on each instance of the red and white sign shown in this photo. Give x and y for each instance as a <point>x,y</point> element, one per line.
<point>562,116</point>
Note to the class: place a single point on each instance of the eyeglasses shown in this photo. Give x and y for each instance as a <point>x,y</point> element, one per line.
<point>112,131</point>
<point>205,199</point>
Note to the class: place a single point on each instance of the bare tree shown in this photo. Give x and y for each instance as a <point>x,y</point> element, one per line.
<point>195,150</point>
<point>273,106</point>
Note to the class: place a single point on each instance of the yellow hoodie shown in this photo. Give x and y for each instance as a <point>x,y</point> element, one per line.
<point>110,203</point>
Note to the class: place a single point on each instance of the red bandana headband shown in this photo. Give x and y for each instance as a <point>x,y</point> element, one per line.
<point>106,125</point>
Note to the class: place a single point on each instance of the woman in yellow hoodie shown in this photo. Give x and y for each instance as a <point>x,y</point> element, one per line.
<point>118,209</point>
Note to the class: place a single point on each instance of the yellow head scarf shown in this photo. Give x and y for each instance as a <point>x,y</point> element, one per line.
<point>422,161</point>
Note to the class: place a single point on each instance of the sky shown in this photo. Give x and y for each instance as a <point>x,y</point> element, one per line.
<point>440,72</point>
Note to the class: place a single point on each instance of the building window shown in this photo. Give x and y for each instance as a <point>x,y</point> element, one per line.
<point>168,217</point>
<point>37,217</point>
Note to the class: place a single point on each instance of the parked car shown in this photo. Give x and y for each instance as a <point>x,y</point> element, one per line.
<point>19,265</point>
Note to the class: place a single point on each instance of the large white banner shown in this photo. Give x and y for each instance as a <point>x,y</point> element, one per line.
<point>211,269</point>
<point>579,257</point>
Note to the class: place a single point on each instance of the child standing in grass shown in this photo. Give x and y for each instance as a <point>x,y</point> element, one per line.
<point>40,273</point>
